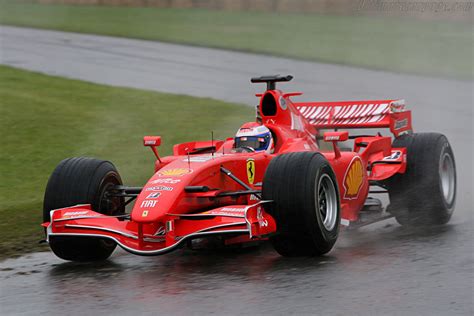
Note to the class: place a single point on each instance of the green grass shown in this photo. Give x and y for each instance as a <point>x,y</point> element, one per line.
<point>45,119</point>
<point>400,45</point>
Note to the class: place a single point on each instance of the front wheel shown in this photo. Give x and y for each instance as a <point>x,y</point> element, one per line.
<point>82,181</point>
<point>305,205</point>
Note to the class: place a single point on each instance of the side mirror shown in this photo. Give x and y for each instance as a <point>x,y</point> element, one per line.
<point>152,141</point>
<point>336,136</point>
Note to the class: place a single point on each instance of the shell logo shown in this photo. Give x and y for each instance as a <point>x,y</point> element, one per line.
<point>354,179</point>
<point>177,172</point>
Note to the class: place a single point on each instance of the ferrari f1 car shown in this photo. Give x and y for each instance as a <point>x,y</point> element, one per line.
<point>295,194</point>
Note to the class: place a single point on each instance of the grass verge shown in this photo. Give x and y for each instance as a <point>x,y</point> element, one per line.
<point>45,119</point>
<point>400,45</point>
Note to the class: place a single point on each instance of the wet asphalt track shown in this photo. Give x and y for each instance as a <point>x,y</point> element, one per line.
<point>380,269</point>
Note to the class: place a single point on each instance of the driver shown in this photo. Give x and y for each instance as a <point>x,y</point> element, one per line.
<point>254,137</point>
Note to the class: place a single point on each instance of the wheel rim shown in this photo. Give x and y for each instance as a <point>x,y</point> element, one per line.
<point>109,205</point>
<point>447,177</point>
<point>326,202</point>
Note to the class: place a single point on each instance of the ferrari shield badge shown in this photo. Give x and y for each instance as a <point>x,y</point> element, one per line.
<point>251,170</point>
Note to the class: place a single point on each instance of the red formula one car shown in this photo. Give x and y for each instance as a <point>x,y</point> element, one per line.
<point>293,192</point>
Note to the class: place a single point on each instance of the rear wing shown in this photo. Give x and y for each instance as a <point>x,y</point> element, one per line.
<point>358,114</point>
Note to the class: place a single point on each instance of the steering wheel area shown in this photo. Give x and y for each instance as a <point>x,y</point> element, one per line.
<point>245,149</point>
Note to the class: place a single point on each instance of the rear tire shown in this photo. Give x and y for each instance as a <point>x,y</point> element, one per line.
<point>305,205</point>
<point>76,181</point>
<point>426,193</point>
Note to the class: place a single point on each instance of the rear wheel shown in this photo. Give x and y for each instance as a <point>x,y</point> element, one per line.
<point>305,204</point>
<point>82,181</point>
<point>426,193</point>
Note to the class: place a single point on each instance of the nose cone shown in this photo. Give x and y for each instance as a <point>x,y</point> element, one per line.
<point>160,195</point>
<point>164,193</point>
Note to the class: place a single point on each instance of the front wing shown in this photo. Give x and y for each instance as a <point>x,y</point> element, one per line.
<point>250,221</point>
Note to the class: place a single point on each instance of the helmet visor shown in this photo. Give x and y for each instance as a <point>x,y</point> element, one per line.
<point>260,142</point>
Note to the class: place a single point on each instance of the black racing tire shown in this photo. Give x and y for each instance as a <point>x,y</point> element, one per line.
<point>301,185</point>
<point>76,181</point>
<point>425,194</point>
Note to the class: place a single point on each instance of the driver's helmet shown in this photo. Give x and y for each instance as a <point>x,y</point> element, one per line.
<point>254,136</point>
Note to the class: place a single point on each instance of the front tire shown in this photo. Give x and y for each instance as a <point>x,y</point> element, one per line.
<point>76,181</point>
<point>426,193</point>
<point>305,205</point>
